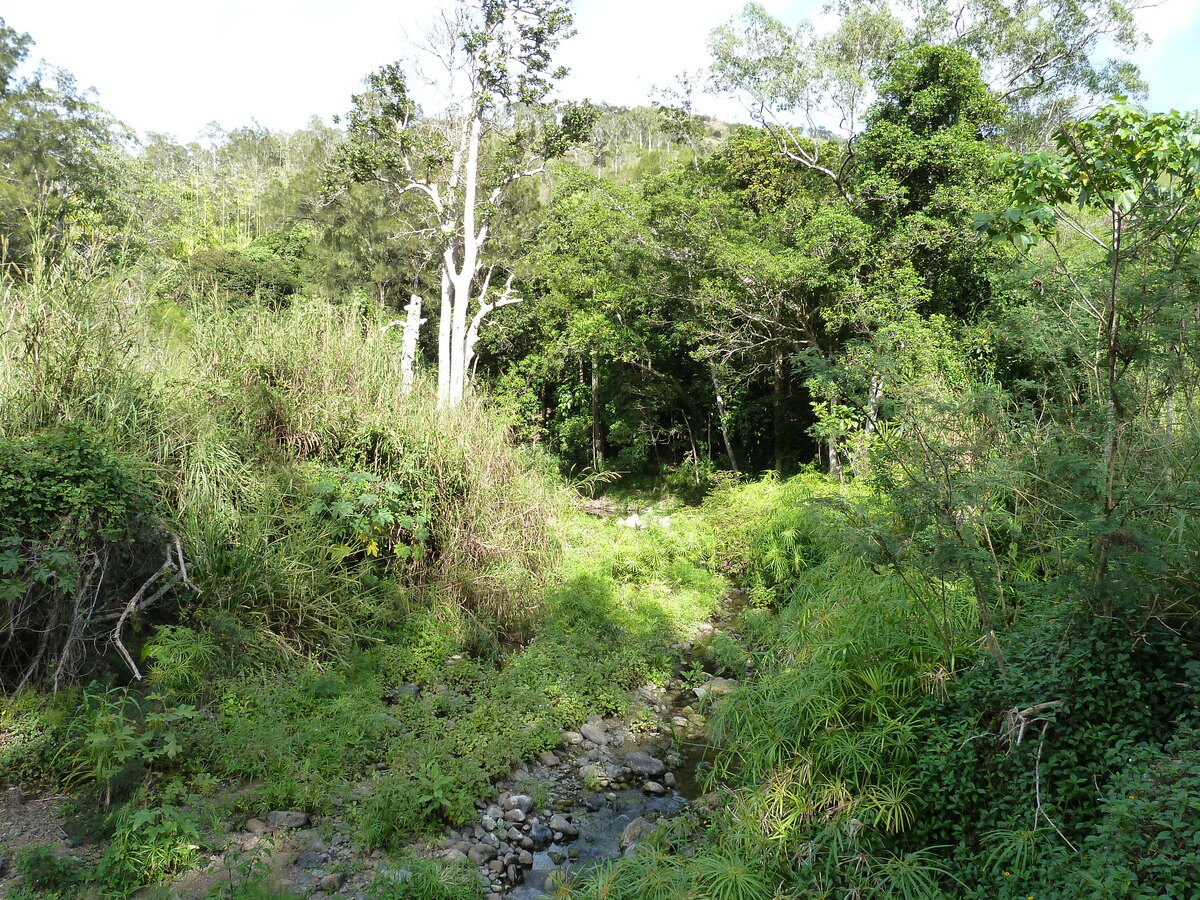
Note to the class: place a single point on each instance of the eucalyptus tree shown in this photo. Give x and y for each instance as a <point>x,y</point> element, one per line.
<point>1044,58</point>
<point>60,156</point>
<point>462,162</point>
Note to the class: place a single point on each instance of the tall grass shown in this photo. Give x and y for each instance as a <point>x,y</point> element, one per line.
<point>236,415</point>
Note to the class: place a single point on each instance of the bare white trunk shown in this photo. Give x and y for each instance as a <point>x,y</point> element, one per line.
<point>444,331</point>
<point>408,346</point>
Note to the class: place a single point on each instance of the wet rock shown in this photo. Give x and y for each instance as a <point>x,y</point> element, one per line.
<point>563,825</point>
<point>556,857</point>
<point>287,818</point>
<point>653,787</point>
<point>540,835</point>
<point>644,764</point>
<point>632,833</point>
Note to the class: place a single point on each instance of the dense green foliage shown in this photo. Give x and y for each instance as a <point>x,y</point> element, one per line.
<point>250,561</point>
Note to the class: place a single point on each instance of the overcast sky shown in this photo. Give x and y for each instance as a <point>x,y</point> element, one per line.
<point>173,67</point>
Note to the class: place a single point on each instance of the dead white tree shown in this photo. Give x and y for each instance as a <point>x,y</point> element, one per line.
<point>493,130</point>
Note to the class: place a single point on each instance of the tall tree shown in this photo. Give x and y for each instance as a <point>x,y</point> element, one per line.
<point>462,163</point>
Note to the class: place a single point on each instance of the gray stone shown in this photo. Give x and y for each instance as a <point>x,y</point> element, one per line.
<point>488,823</point>
<point>490,839</point>
<point>496,865</point>
<point>495,811</point>
<point>333,882</point>
<point>523,802</point>
<point>454,855</point>
<point>594,732</point>
<point>287,818</point>
<point>256,826</point>
<point>562,824</point>
<point>669,779</point>
<point>541,835</point>
<point>632,833</point>
<point>514,815</point>
<point>719,686</point>
<point>653,787</point>
<point>525,858</point>
<point>546,758</point>
<point>481,854</point>
<point>514,833</point>
<point>572,737</point>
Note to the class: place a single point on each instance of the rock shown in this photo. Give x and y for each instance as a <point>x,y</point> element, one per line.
<point>488,823</point>
<point>653,787</point>
<point>514,815</point>
<point>490,839</point>
<point>540,835</point>
<point>256,826</point>
<point>562,824</point>
<point>495,811</point>
<point>572,737</point>
<point>680,722</point>
<point>525,858</point>
<point>496,865</point>
<point>333,882</point>
<point>546,758</point>
<point>287,819</point>
<point>591,773</point>
<point>512,873</point>
<point>481,854</point>
<point>312,859</point>
<point>514,834</point>
<point>592,804</point>
<point>669,779</point>
<point>594,732</point>
<point>719,686</point>
<point>632,833</point>
<point>454,855</point>
<point>522,802</point>
<point>556,857</point>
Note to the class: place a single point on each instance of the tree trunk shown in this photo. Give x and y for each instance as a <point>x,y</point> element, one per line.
<point>721,417</point>
<point>780,389</point>
<point>597,437</point>
<point>408,346</point>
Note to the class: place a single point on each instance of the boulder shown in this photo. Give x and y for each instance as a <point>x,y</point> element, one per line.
<point>287,819</point>
<point>644,764</point>
<point>595,732</point>
<point>333,882</point>
<point>523,802</point>
<point>562,824</point>
<point>632,833</point>
<point>480,854</point>
<point>541,836</point>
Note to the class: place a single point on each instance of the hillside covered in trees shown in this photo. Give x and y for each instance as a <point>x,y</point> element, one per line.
<point>526,498</point>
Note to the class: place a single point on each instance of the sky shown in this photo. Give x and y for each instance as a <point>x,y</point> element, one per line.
<point>163,66</point>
